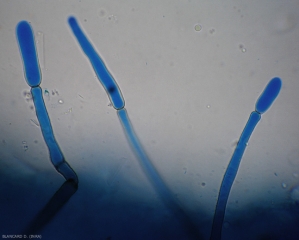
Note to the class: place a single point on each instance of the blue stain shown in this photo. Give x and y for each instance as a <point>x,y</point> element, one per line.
<point>148,168</point>
<point>33,77</point>
<point>268,96</point>
<point>28,52</point>
<point>155,179</point>
<point>263,104</point>
<point>118,102</point>
<point>99,67</point>
<point>56,155</point>
<point>59,199</point>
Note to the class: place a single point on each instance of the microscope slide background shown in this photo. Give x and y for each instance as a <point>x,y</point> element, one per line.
<point>190,73</point>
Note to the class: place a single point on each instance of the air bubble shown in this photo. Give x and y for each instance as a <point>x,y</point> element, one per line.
<point>243,49</point>
<point>102,12</point>
<point>284,185</point>
<point>197,27</point>
<point>55,92</point>
<point>60,101</point>
<point>28,96</point>
<point>295,194</point>
<point>47,94</point>
<point>69,111</point>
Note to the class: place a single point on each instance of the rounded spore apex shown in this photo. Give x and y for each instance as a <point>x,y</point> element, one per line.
<point>98,65</point>
<point>263,103</point>
<point>33,77</point>
<point>268,95</point>
<point>28,52</point>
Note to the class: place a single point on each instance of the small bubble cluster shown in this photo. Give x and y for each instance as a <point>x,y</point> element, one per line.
<point>27,95</point>
<point>25,146</point>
